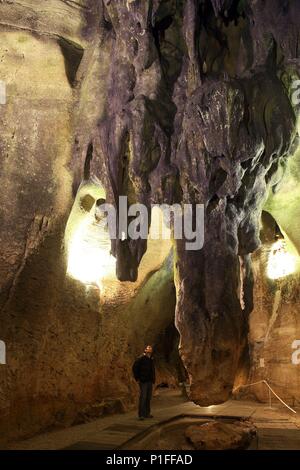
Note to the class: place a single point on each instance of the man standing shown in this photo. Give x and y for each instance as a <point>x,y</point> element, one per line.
<point>144,373</point>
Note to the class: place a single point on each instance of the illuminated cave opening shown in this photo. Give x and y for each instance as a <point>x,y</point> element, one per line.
<point>88,244</point>
<point>282,257</point>
<point>281,263</point>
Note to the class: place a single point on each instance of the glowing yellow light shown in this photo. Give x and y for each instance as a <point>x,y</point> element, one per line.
<point>89,258</point>
<point>281,263</point>
<point>87,238</point>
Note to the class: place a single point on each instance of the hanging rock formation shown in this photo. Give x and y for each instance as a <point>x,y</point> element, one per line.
<point>196,112</point>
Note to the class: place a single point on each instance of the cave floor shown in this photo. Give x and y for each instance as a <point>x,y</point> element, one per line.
<point>278,428</point>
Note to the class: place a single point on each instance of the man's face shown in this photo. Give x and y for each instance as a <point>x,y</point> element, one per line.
<point>148,350</point>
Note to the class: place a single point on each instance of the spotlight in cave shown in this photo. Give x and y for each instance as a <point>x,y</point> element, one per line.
<point>87,239</point>
<point>281,263</point>
<point>282,259</point>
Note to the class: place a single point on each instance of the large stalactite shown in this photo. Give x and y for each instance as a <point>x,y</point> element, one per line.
<point>196,113</point>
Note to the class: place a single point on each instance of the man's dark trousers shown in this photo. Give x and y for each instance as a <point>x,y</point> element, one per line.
<point>145,399</point>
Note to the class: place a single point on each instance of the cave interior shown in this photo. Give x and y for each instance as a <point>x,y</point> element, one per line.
<point>159,103</point>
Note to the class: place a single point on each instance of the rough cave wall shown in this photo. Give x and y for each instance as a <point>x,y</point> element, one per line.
<point>274,327</point>
<point>67,348</point>
<point>182,101</point>
<point>274,323</point>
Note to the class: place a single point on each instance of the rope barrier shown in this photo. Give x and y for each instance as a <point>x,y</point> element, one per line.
<point>270,391</point>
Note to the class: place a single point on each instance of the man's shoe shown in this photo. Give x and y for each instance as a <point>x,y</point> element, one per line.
<point>141,418</point>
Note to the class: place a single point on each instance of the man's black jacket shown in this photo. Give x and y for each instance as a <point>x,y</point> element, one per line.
<point>143,369</point>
